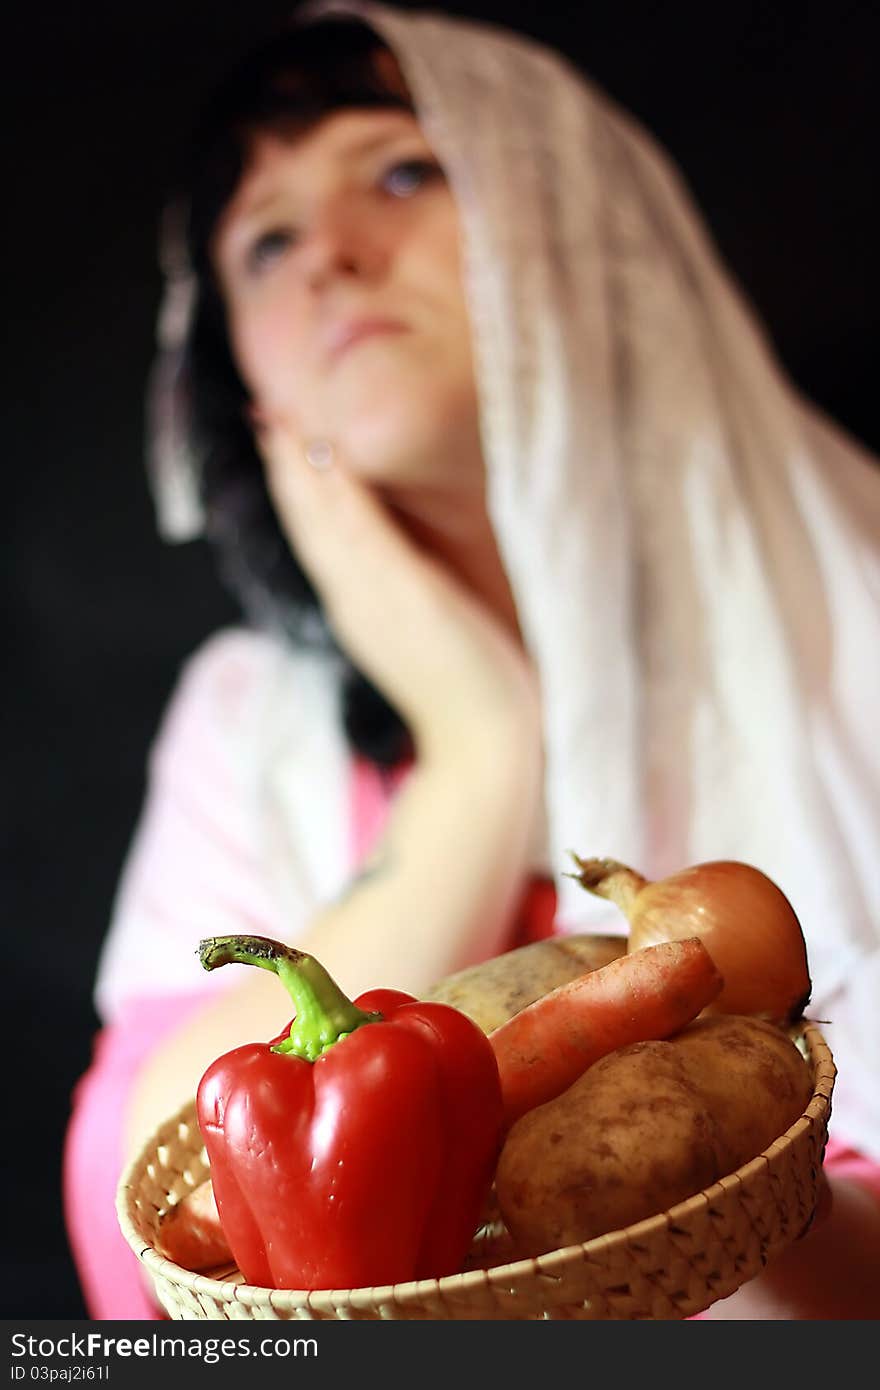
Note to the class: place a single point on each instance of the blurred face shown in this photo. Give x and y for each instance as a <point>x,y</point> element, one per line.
<point>338,258</point>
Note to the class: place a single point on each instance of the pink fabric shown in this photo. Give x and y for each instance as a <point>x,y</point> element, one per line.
<point>109,1271</point>
<point>197,863</point>
<point>841,1161</point>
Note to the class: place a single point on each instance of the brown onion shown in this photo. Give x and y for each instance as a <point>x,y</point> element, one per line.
<point>745,921</point>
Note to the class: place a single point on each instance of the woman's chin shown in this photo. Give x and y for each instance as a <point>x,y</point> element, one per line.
<point>387,456</point>
<point>417,446</point>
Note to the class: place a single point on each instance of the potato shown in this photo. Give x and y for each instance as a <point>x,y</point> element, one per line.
<point>752,1078</point>
<point>495,990</point>
<point>628,1139</point>
<point>646,1127</point>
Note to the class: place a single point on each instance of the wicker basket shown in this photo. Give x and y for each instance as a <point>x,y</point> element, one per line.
<point>666,1267</point>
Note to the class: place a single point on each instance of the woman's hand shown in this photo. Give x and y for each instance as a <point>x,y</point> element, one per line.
<point>453,670</point>
<point>443,884</point>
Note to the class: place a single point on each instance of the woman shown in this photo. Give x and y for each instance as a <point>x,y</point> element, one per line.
<point>446,329</point>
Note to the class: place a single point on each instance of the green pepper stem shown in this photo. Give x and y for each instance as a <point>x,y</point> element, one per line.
<point>324,1015</point>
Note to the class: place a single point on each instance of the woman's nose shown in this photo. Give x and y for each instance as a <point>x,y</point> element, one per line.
<point>343,240</point>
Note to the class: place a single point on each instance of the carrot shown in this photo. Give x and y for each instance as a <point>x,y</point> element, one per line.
<point>649,994</point>
<point>191,1234</point>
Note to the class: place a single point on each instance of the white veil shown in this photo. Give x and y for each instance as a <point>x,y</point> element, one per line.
<point>693,549</point>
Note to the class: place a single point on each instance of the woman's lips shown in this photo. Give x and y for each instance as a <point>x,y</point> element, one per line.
<point>353,331</point>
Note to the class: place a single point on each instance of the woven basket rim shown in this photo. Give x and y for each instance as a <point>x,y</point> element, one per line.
<point>549,1264</point>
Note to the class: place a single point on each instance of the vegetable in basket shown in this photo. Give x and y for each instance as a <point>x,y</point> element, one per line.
<point>744,919</point>
<point>541,1050</point>
<point>493,990</point>
<point>649,994</point>
<point>358,1147</point>
<point>649,1126</point>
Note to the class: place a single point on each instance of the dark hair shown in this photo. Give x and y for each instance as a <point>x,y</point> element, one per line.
<point>285,85</point>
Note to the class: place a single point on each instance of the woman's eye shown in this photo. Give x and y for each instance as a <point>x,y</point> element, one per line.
<point>268,247</point>
<point>407,177</point>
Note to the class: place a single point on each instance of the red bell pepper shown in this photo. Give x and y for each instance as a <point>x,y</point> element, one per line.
<point>357,1148</point>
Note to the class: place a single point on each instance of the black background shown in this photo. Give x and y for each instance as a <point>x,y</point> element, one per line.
<point>769,109</point>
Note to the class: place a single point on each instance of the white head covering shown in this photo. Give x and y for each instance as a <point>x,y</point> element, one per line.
<point>691,546</point>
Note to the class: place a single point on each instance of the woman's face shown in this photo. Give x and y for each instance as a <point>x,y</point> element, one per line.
<point>339,261</point>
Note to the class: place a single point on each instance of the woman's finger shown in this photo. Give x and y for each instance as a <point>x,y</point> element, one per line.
<point>341,533</point>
